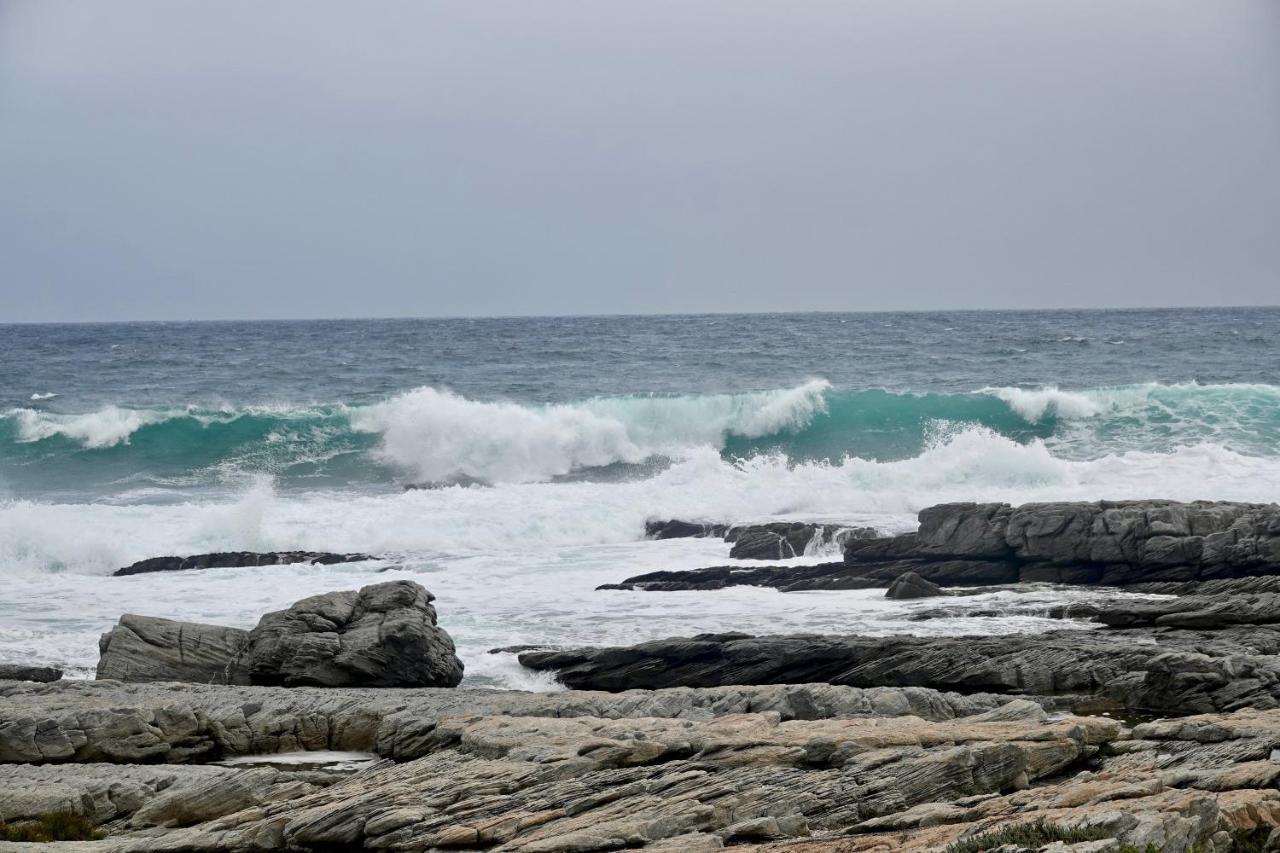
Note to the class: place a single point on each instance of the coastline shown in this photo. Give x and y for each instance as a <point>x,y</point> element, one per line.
<point>1154,730</point>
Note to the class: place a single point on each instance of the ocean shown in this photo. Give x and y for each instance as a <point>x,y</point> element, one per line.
<point>509,465</point>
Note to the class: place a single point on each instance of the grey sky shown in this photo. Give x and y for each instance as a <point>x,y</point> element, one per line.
<point>166,159</point>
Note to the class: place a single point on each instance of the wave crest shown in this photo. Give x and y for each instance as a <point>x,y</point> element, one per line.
<point>439,435</point>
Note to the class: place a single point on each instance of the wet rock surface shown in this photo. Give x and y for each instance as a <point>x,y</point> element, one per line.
<point>237,559</point>
<point>770,541</point>
<point>911,586</point>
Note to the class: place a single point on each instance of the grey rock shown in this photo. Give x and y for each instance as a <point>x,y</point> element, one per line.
<point>968,544</point>
<point>145,648</point>
<point>1194,611</point>
<point>771,541</point>
<point>911,585</point>
<point>23,672</point>
<point>830,576</point>
<point>675,529</point>
<point>236,559</point>
<point>781,540</point>
<point>384,635</point>
<point>528,773</point>
<point>1236,667</point>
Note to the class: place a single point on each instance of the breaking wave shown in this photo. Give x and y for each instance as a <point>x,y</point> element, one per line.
<point>434,435</point>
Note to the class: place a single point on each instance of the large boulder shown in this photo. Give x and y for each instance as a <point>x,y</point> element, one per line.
<point>144,648</point>
<point>383,635</point>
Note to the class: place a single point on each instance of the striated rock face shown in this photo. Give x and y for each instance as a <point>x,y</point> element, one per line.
<point>1163,546</point>
<point>234,559</point>
<point>21,672</point>
<point>1176,672</point>
<point>106,721</point>
<point>587,772</point>
<point>803,769</point>
<point>1195,611</point>
<point>384,635</point>
<point>1125,541</point>
<point>144,648</point>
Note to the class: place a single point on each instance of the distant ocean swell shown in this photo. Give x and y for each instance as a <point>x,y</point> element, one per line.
<point>431,435</point>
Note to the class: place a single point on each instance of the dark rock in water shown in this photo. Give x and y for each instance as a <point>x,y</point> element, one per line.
<point>383,635</point>
<point>144,648</point>
<point>1109,542</point>
<point>21,672</point>
<point>911,585</point>
<point>825,576</point>
<point>1132,667</point>
<point>781,540</point>
<point>772,541</point>
<point>675,529</point>
<point>236,559</point>
<point>959,610</point>
<point>1222,586</point>
<point>1194,611</point>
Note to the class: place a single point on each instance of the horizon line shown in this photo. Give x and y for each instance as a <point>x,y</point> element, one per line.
<point>641,315</point>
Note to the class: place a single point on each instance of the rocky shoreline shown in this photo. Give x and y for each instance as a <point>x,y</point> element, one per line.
<point>1147,724</point>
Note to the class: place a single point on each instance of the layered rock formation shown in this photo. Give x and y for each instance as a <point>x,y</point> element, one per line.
<point>144,648</point>
<point>1110,543</point>
<point>384,635</point>
<point>236,559</point>
<point>681,770</point>
<point>1176,672</point>
<point>107,721</point>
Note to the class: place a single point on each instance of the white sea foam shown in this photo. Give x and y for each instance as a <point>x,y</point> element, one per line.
<point>519,563</point>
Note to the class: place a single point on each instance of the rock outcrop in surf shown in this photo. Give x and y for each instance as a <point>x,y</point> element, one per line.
<point>1104,543</point>
<point>384,635</point>
<point>778,540</point>
<point>237,559</point>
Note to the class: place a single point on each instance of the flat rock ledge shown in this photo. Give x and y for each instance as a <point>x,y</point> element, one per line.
<point>114,722</point>
<point>805,769</point>
<point>1168,671</point>
<point>1105,543</point>
<point>237,559</point>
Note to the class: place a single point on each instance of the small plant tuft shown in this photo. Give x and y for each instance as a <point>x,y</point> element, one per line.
<point>1029,835</point>
<point>54,826</point>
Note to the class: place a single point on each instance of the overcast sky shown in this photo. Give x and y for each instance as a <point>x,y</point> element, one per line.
<point>173,159</point>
